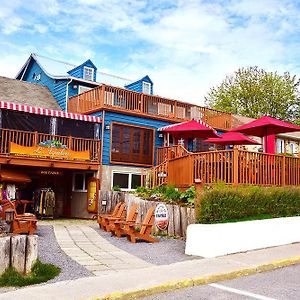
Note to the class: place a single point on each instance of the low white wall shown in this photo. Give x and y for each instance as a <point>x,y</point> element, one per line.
<point>211,240</point>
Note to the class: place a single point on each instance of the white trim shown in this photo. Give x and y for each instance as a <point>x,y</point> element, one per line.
<point>129,178</point>
<point>85,68</point>
<point>146,84</point>
<point>85,89</point>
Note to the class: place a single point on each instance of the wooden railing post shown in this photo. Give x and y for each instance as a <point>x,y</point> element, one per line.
<point>35,138</point>
<point>190,169</point>
<point>283,171</point>
<point>142,103</point>
<point>235,163</point>
<point>102,95</point>
<point>70,143</point>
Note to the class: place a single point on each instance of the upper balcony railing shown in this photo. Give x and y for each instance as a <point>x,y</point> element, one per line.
<point>35,144</point>
<point>122,100</point>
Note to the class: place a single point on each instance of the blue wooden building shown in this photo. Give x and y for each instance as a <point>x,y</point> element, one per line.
<point>65,80</point>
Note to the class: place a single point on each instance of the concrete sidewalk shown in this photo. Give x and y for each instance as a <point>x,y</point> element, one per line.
<point>138,282</point>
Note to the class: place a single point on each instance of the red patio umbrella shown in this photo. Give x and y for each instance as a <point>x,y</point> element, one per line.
<point>265,127</point>
<point>232,138</point>
<point>190,129</point>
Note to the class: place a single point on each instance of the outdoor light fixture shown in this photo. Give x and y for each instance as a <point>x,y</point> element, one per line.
<point>161,135</point>
<point>74,86</point>
<point>107,127</point>
<point>9,217</point>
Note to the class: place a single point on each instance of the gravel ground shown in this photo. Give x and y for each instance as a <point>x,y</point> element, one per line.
<point>50,252</point>
<point>167,251</point>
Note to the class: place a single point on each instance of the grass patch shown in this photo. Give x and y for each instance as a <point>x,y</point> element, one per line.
<point>39,273</point>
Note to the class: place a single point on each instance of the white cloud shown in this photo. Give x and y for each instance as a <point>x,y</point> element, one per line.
<point>185,46</point>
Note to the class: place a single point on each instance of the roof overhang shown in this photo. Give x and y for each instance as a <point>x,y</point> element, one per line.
<point>48,112</point>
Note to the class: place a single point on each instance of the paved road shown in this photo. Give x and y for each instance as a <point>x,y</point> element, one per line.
<point>279,284</point>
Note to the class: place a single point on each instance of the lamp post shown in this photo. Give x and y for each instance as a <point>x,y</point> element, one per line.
<point>9,218</point>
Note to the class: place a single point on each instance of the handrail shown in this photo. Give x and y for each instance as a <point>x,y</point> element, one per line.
<point>29,139</point>
<point>233,167</point>
<point>119,99</point>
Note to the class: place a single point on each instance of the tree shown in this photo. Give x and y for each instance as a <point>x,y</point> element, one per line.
<point>253,92</point>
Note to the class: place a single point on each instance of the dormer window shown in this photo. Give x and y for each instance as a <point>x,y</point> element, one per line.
<point>146,88</point>
<point>88,73</point>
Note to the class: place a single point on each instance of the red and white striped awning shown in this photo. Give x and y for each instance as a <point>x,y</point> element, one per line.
<point>48,112</point>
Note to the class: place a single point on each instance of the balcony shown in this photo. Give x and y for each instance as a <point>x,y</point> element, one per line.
<point>129,102</point>
<point>45,150</point>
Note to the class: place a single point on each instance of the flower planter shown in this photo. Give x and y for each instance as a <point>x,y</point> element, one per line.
<point>211,240</point>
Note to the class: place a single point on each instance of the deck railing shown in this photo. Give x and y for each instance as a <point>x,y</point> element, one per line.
<point>122,100</point>
<point>234,167</point>
<point>28,138</point>
<point>166,153</point>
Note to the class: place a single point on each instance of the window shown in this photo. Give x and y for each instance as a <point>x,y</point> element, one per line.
<point>80,181</point>
<point>82,89</point>
<point>132,144</point>
<point>146,88</point>
<point>126,181</point>
<point>280,146</point>
<point>88,73</point>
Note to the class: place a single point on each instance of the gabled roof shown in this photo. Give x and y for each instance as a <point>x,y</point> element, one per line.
<point>57,69</point>
<point>86,62</point>
<point>145,78</point>
<point>23,92</point>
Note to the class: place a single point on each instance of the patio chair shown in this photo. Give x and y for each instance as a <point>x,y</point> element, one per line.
<point>120,215</point>
<point>102,216</point>
<point>22,223</point>
<point>116,226</point>
<point>144,231</point>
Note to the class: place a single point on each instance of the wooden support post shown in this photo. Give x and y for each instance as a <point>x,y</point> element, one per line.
<point>235,165</point>
<point>283,171</point>
<point>102,95</point>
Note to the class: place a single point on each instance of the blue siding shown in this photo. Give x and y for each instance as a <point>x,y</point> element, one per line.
<point>34,69</point>
<point>132,120</point>
<point>78,71</point>
<point>137,86</point>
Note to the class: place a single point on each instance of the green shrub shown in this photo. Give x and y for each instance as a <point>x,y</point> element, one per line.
<point>116,188</point>
<point>172,193</point>
<point>222,204</point>
<point>39,273</point>
<point>189,195</point>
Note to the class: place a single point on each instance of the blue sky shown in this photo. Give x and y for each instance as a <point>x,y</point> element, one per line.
<point>186,47</point>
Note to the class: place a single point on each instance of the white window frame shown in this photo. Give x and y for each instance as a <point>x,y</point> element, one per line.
<point>84,180</point>
<point>82,89</point>
<point>148,84</point>
<point>88,69</point>
<point>129,179</point>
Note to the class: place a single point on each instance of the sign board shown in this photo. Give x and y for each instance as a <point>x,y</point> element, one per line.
<point>49,152</point>
<point>92,195</point>
<point>161,215</point>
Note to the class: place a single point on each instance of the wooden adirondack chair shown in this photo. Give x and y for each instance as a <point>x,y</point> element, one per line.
<point>102,216</point>
<point>145,229</point>
<point>22,223</point>
<point>120,215</point>
<point>116,226</point>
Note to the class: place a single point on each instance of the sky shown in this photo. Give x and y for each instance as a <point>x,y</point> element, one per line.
<point>186,47</point>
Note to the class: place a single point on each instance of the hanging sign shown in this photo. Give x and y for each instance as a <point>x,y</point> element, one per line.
<point>49,152</point>
<point>161,215</point>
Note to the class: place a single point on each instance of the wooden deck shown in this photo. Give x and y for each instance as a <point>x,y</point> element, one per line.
<point>30,140</point>
<point>234,167</point>
<point>134,103</point>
